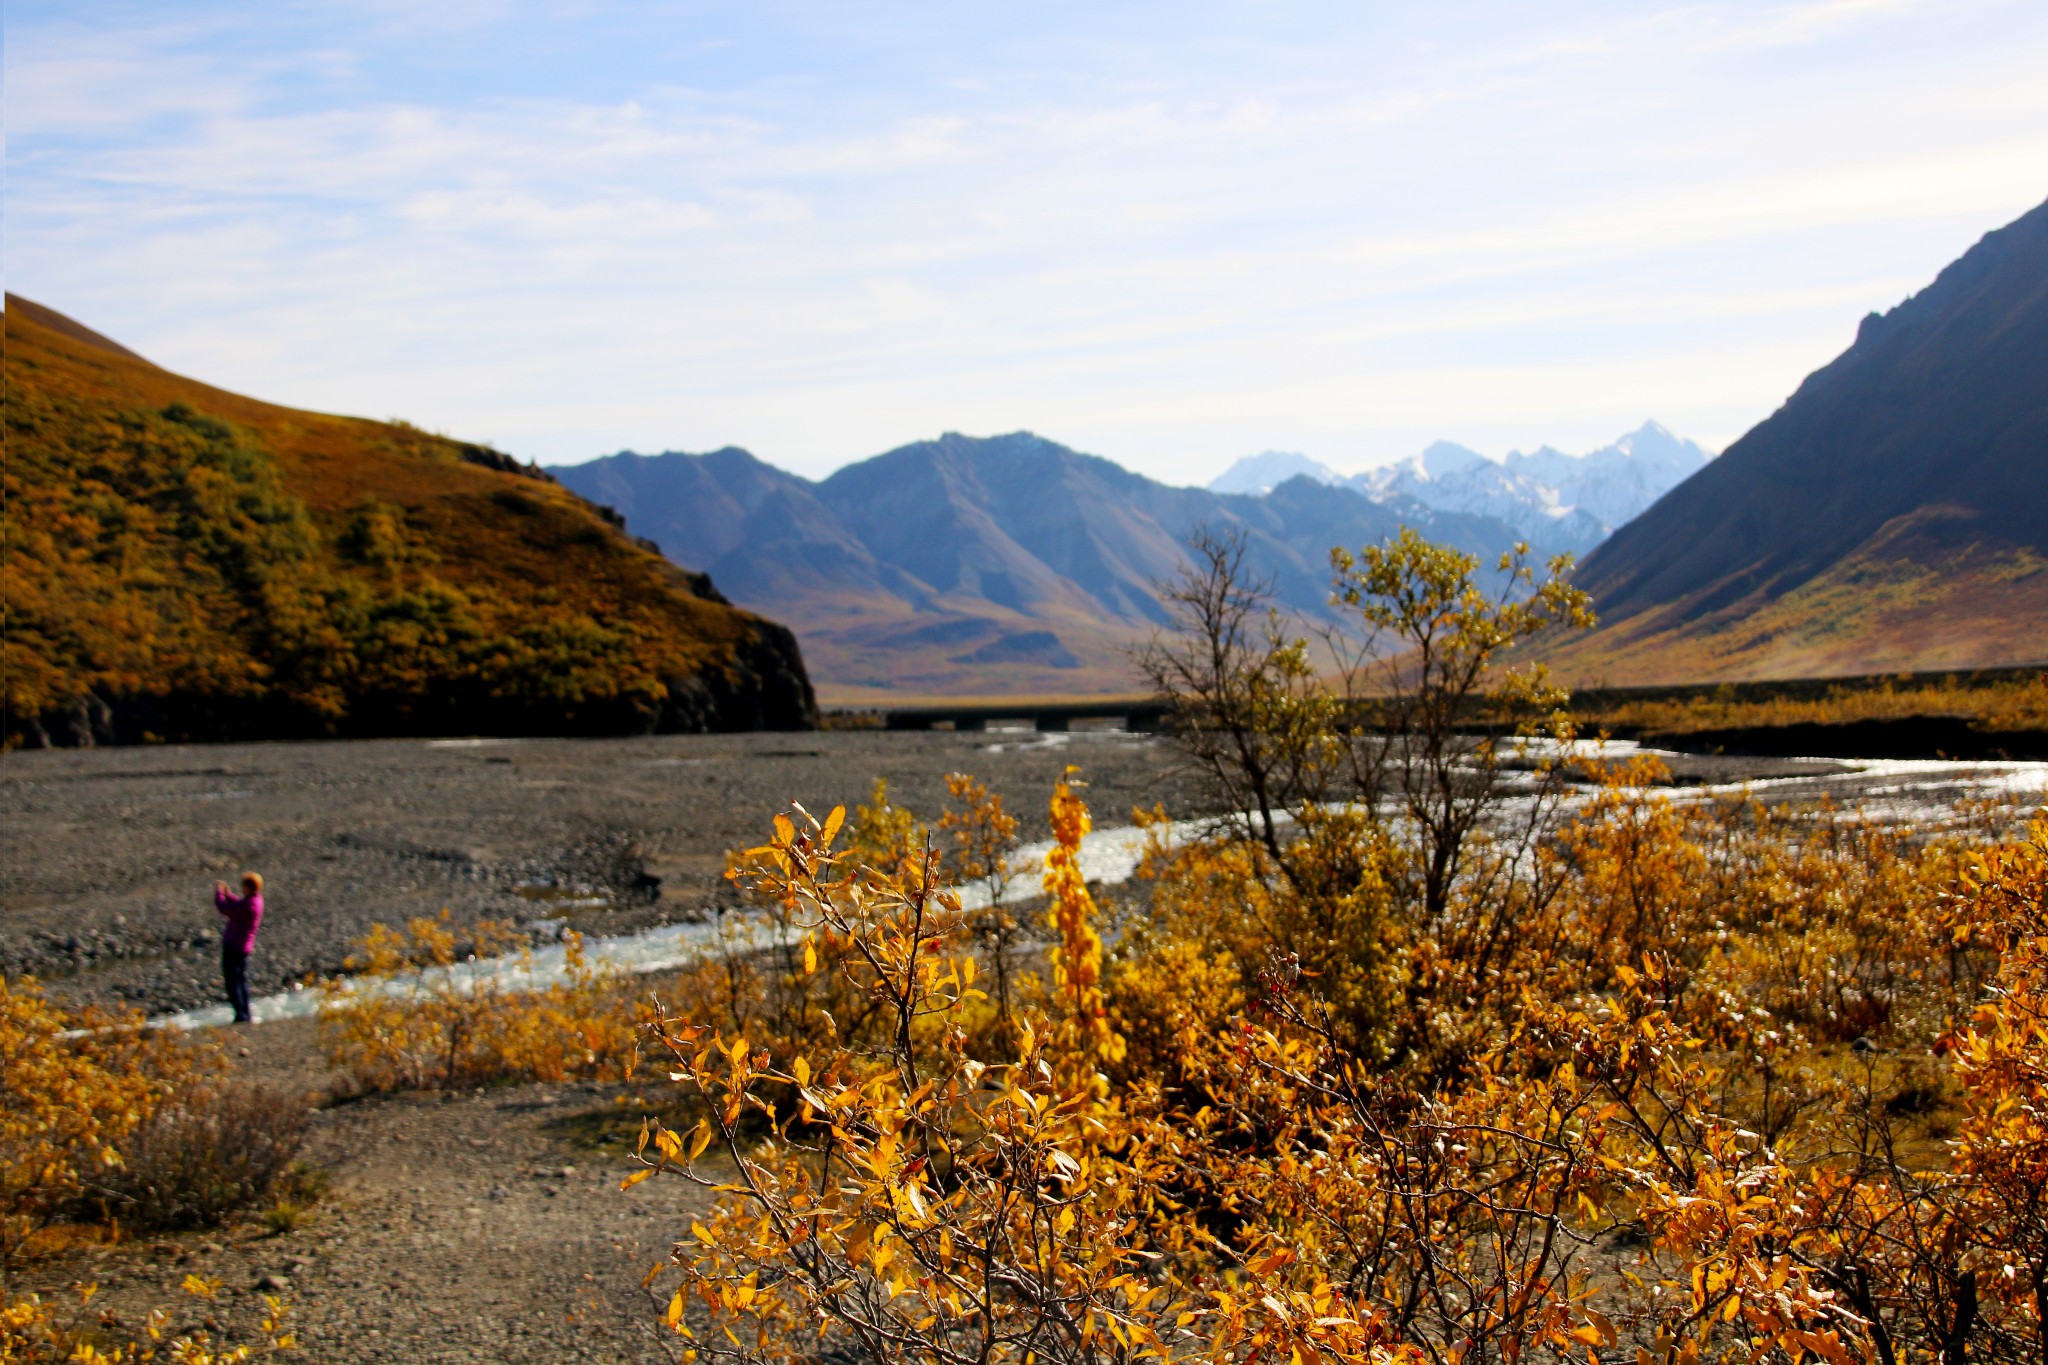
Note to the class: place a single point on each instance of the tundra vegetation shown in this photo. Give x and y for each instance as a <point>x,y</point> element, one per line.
<point>1442,1044</point>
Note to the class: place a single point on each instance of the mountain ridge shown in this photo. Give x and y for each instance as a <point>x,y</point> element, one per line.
<point>1892,513</point>
<point>987,565</point>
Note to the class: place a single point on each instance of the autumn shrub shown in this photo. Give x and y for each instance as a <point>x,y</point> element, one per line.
<point>77,1087</point>
<point>212,1150</point>
<point>1593,1183</point>
<point>912,1201</point>
<point>916,1201</point>
<point>769,977</point>
<point>421,1014</point>
<point>34,1330</point>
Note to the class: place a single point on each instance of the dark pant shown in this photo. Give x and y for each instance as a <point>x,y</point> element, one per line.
<point>234,969</point>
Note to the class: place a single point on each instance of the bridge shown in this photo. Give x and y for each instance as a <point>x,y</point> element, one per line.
<point>1135,713</point>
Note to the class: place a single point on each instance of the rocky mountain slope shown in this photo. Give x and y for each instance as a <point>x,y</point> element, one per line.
<point>1892,514</point>
<point>187,563</point>
<point>1000,565</point>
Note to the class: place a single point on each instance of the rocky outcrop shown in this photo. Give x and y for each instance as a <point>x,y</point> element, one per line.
<point>765,688</point>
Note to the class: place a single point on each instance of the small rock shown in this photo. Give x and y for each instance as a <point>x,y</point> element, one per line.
<point>274,1284</point>
<point>566,1172</point>
<point>209,1248</point>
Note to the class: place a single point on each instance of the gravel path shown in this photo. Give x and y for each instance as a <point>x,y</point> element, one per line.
<point>462,1228</point>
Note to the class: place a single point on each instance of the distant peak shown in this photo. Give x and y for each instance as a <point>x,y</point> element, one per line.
<point>1443,458</point>
<point>1262,473</point>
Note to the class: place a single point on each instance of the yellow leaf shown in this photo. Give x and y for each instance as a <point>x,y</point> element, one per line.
<point>1270,1262</point>
<point>810,957</point>
<point>785,832</point>
<point>700,1139</point>
<point>832,824</point>
<point>802,1069</point>
<point>635,1178</point>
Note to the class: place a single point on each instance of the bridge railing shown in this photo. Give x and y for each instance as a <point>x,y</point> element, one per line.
<point>1142,714</point>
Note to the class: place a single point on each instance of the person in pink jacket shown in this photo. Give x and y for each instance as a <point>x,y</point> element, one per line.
<point>240,916</point>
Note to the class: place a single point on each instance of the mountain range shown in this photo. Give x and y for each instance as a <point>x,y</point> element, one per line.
<point>1557,502</point>
<point>982,565</point>
<point>1891,515</point>
<point>185,563</point>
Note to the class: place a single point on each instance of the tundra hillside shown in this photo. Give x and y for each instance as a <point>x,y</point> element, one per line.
<point>188,564</point>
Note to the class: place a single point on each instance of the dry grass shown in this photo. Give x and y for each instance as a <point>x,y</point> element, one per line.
<point>205,1155</point>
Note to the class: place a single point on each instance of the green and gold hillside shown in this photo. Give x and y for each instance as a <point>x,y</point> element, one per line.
<point>183,563</point>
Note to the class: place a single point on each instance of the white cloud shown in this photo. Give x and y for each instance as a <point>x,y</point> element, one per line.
<point>1805,22</point>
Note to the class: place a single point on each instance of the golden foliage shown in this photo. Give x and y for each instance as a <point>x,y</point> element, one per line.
<point>32,1330</point>
<point>75,1087</point>
<point>1697,1117</point>
<point>1077,998</point>
<point>421,1014</point>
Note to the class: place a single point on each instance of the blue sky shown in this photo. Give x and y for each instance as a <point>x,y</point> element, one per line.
<point>1170,233</point>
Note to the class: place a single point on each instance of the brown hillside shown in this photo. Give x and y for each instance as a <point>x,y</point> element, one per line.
<point>187,563</point>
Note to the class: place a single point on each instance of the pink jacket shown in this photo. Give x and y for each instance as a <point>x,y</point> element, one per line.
<point>243,913</point>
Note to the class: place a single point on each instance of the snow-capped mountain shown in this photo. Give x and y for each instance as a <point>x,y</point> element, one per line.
<point>1262,473</point>
<point>1616,483</point>
<point>1553,500</point>
<point>1453,478</point>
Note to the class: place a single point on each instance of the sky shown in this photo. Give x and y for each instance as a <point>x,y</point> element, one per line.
<point>1171,233</point>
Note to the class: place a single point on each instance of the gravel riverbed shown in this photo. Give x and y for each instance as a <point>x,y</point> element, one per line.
<point>110,855</point>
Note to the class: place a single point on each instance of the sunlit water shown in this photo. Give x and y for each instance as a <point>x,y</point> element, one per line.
<point>1893,791</point>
